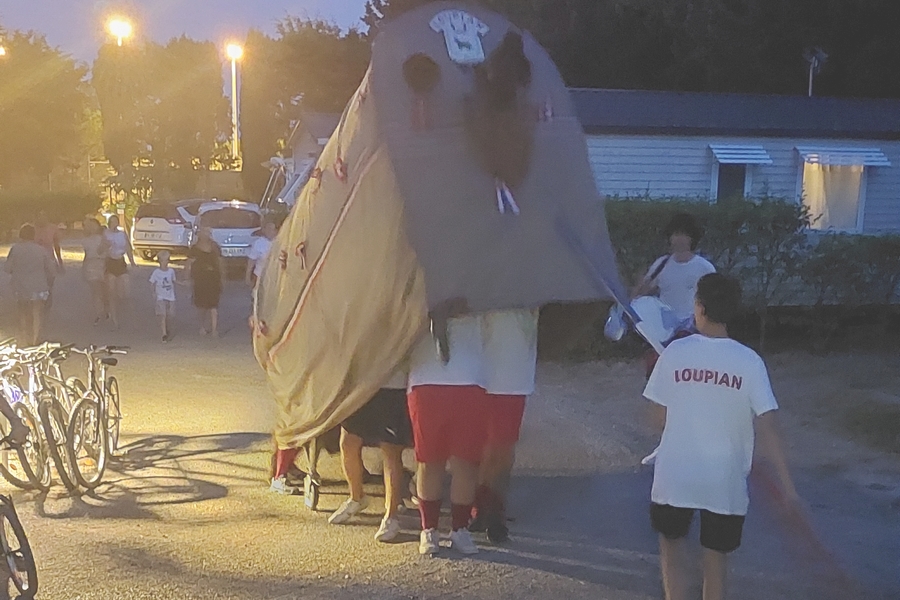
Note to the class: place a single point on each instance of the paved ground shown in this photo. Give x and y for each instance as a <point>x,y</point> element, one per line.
<point>185,512</point>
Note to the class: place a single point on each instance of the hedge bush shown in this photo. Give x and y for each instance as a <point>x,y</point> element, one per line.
<point>767,244</point>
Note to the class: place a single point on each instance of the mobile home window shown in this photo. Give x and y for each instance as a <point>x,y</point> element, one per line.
<point>732,173</point>
<point>833,185</point>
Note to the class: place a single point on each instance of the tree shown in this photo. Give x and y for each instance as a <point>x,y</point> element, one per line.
<point>311,66</point>
<point>164,114</point>
<point>43,102</point>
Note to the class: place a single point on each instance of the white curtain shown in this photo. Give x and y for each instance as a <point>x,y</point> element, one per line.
<point>832,194</point>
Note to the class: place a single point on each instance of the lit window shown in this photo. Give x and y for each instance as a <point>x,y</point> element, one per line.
<point>833,185</point>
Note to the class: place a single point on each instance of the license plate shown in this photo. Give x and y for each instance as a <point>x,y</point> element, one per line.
<point>152,236</point>
<point>232,252</point>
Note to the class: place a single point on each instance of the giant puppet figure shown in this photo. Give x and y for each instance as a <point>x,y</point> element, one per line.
<point>459,174</point>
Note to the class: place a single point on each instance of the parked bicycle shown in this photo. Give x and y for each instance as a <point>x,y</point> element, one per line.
<point>16,559</point>
<point>95,421</point>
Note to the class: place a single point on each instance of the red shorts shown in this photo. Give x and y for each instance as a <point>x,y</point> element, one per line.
<point>448,420</point>
<point>505,415</point>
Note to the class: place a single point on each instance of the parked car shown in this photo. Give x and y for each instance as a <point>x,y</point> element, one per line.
<point>232,224</point>
<point>164,226</point>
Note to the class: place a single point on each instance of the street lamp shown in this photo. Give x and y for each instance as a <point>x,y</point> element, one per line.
<point>2,51</point>
<point>234,52</point>
<point>120,29</point>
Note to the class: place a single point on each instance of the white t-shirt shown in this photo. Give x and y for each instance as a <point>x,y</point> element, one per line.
<point>712,389</point>
<point>164,284</point>
<point>259,250</point>
<point>510,351</point>
<point>677,283</point>
<point>118,244</point>
<point>466,356</point>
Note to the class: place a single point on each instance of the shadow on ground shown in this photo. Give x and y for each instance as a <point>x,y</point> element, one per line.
<point>159,471</point>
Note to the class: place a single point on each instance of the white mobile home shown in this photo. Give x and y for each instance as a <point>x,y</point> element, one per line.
<point>841,156</point>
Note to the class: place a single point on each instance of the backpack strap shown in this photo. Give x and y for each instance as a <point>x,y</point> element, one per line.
<point>660,268</point>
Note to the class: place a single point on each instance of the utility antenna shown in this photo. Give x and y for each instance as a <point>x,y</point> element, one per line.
<point>816,57</point>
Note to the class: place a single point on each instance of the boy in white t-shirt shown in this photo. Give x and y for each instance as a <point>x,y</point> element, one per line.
<point>711,393</point>
<point>510,358</point>
<point>447,407</point>
<point>163,281</point>
<point>259,250</point>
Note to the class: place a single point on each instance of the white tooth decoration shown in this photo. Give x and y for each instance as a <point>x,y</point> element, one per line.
<point>463,34</point>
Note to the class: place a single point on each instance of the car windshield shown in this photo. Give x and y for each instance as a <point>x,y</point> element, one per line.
<point>230,218</point>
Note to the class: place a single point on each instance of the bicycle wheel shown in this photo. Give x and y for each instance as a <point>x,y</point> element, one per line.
<point>113,415</point>
<point>88,447</point>
<point>17,558</point>
<point>53,422</point>
<point>76,384</point>
<point>34,456</point>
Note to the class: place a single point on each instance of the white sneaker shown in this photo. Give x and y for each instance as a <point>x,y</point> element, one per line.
<point>429,542</point>
<point>461,541</point>
<point>279,485</point>
<point>389,530</point>
<point>349,509</point>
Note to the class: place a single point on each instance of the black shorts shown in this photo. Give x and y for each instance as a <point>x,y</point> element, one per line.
<point>721,533</point>
<point>116,267</point>
<point>384,420</point>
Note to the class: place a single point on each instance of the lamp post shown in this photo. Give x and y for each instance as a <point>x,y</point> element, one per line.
<point>121,29</point>
<point>234,52</point>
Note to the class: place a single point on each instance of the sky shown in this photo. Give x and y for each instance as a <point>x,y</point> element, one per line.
<point>77,26</point>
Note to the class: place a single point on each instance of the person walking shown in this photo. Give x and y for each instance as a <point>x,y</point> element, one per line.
<point>31,270</point>
<point>448,410</point>
<point>93,267</point>
<point>206,268</point>
<point>510,361</point>
<point>259,250</point>
<point>713,397</point>
<point>118,248</point>
<point>163,281</point>
<point>383,421</point>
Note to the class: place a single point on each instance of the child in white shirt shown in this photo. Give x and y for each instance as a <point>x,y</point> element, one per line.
<point>713,396</point>
<point>163,280</point>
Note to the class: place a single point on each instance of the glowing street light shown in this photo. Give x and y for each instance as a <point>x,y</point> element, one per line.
<point>2,51</point>
<point>120,29</point>
<point>234,52</point>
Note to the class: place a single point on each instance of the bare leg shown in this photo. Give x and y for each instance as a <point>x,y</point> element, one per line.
<point>496,468</point>
<point>351,458</point>
<point>430,481</point>
<point>203,329</point>
<point>37,321</point>
<point>672,558</point>
<point>393,478</point>
<point>715,572</point>
<point>113,300</point>
<point>214,321</point>
<point>165,328</point>
<point>464,481</point>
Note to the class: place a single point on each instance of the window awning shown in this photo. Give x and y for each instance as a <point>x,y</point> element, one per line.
<point>842,156</point>
<point>730,154</point>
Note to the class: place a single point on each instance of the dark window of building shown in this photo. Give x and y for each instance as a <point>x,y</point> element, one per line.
<point>731,182</point>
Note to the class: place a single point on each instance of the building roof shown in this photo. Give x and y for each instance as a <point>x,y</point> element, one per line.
<point>319,126</point>
<point>690,113</point>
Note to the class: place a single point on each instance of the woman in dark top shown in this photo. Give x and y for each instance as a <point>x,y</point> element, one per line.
<point>206,276</point>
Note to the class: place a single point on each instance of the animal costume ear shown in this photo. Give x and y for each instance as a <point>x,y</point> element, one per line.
<point>421,73</point>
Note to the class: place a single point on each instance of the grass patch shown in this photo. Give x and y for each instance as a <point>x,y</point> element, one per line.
<point>876,424</point>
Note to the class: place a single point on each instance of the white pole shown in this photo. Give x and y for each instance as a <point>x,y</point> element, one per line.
<point>812,68</point>
<point>235,141</point>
